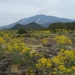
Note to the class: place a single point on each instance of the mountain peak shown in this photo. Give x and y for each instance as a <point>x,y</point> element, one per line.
<point>41,19</point>
<point>40,15</point>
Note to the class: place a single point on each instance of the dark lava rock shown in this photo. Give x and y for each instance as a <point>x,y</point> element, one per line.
<point>5,64</point>
<point>50,51</point>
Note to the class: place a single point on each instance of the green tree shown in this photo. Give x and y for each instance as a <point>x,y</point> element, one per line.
<point>22,31</point>
<point>58,25</point>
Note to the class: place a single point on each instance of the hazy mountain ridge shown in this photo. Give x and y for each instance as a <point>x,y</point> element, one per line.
<point>43,20</point>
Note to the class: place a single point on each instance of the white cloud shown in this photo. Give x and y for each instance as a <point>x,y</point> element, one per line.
<point>13,10</point>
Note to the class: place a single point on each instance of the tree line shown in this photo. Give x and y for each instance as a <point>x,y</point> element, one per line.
<point>60,25</point>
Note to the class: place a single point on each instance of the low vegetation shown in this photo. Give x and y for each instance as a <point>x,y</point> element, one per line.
<point>43,52</point>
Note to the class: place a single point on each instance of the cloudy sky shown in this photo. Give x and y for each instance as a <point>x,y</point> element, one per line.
<point>14,10</point>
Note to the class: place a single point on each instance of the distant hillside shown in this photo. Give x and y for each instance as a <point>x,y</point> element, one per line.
<point>17,26</point>
<point>43,20</point>
<point>34,25</point>
<point>30,26</point>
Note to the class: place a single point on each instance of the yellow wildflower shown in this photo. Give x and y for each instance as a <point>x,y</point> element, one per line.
<point>62,67</point>
<point>73,67</point>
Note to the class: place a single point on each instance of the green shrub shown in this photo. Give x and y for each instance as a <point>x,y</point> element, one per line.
<point>22,31</point>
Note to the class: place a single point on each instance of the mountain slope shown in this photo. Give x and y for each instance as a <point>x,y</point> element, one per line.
<point>16,27</point>
<point>29,26</point>
<point>40,19</point>
<point>34,25</point>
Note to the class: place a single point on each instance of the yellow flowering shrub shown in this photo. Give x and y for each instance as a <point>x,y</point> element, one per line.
<point>62,40</point>
<point>26,49</point>
<point>2,40</point>
<point>44,63</point>
<point>15,46</point>
<point>64,62</point>
<point>73,67</point>
<point>30,72</point>
<point>45,41</point>
<point>19,50</point>
<point>62,68</point>
<point>2,45</point>
<point>35,53</point>
<point>61,31</point>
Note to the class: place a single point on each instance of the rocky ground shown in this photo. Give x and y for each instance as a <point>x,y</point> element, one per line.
<point>5,64</point>
<point>6,60</point>
<point>49,49</point>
